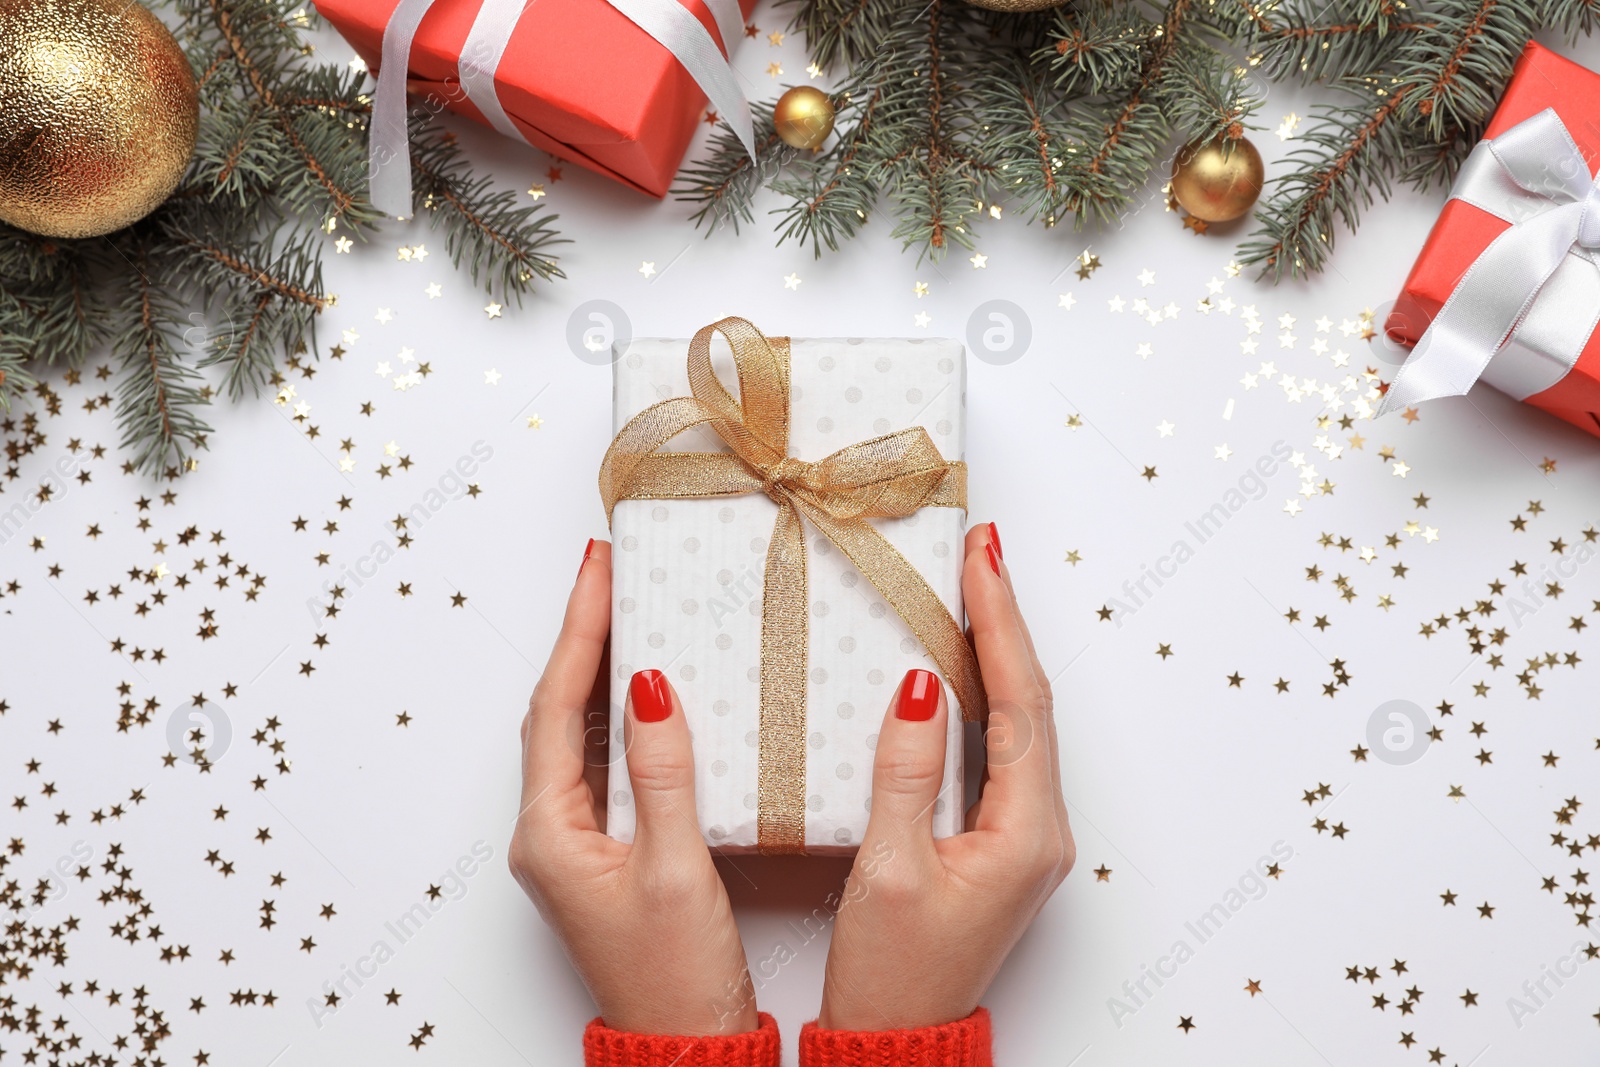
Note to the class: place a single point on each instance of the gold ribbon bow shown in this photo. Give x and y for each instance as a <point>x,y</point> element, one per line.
<point>886,477</point>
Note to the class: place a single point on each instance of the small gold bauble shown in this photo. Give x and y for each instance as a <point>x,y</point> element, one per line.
<point>99,115</point>
<point>803,117</point>
<point>1217,185</point>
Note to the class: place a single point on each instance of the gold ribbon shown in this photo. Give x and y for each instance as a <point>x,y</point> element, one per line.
<point>885,477</point>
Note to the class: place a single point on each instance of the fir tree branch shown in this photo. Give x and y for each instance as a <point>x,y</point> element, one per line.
<point>16,347</point>
<point>332,176</point>
<point>832,195</point>
<point>1136,132</point>
<point>848,31</point>
<point>1151,70</point>
<point>55,300</point>
<point>262,307</point>
<point>159,396</point>
<point>334,171</point>
<point>1353,150</point>
<point>1208,97</point>
<point>1358,40</point>
<point>931,159</point>
<point>238,152</point>
<point>1571,17</point>
<point>1434,164</point>
<point>1031,140</point>
<point>1098,46</point>
<point>1455,68</point>
<point>725,182</point>
<point>501,241</point>
<point>280,152</point>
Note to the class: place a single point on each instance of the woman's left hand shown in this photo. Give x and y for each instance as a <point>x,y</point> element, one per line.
<point>647,925</point>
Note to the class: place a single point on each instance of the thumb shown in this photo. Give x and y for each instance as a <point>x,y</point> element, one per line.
<point>908,766</point>
<point>660,765</point>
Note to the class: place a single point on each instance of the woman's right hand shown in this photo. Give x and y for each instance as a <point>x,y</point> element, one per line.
<point>925,923</point>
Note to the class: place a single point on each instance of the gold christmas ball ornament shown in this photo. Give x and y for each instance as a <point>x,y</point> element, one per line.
<point>98,115</point>
<point>803,117</point>
<point>1217,184</point>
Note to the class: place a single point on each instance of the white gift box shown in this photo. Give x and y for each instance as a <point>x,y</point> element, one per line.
<point>687,575</point>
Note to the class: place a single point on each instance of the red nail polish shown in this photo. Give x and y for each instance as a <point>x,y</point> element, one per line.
<point>994,557</point>
<point>994,539</point>
<point>919,696</point>
<point>588,548</point>
<point>652,700</point>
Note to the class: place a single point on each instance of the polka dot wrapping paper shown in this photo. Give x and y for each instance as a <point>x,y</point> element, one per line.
<point>687,577</point>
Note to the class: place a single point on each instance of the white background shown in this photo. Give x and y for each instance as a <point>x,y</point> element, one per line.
<point>1176,781</point>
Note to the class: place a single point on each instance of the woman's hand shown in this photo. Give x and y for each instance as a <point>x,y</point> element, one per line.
<point>647,925</point>
<point>926,924</point>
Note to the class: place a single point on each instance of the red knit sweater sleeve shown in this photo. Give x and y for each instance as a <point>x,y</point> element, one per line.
<point>964,1043</point>
<point>605,1047</point>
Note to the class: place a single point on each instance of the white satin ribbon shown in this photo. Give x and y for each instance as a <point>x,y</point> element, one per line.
<point>666,21</point>
<point>388,146</point>
<point>480,58</point>
<point>1522,313</point>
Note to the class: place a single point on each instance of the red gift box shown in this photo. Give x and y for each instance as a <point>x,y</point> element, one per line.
<point>1540,80</point>
<point>578,79</point>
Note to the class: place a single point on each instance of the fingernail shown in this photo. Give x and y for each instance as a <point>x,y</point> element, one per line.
<point>994,557</point>
<point>994,539</point>
<point>919,696</point>
<point>652,701</point>
<point>588,548</point>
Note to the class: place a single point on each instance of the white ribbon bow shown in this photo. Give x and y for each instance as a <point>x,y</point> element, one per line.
<point>1531,300</point>
<point>667,21</point>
